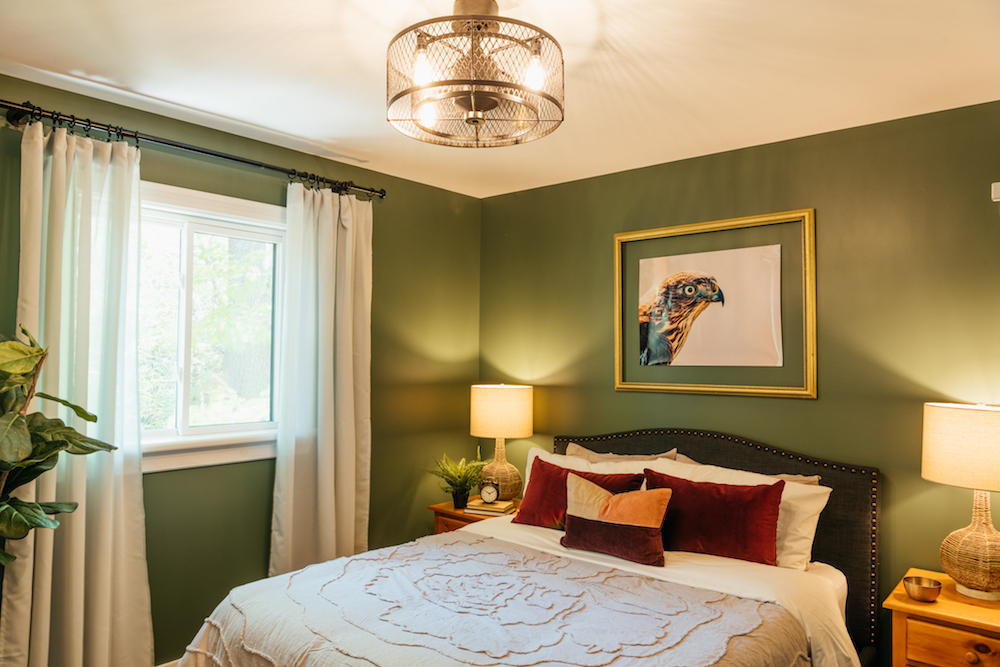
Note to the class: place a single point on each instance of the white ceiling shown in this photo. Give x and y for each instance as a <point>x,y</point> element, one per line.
<point>647,81</point>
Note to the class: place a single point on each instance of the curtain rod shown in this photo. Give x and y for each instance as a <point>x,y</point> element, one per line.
<point>19,115</point>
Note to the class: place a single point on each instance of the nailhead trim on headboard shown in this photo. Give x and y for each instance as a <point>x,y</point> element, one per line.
<point>872,473</point>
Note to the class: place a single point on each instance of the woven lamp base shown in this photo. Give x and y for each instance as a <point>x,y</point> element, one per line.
<point>971,556</point>
<point>509,482</point>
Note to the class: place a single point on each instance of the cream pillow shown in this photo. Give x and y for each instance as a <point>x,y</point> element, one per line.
<point>581,464</point>
<point>800,479</point>
<point>798,511</point>
<point>561,460</point>
<point>573,449</point>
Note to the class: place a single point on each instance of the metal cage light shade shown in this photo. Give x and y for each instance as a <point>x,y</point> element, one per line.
<point>474,79</point>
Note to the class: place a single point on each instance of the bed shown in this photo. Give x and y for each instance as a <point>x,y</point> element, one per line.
<point>502,593</point>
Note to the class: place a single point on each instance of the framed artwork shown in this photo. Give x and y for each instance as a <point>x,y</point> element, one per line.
<point>724,307</point>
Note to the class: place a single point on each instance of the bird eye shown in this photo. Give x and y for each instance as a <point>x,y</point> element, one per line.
<point>689,290</point>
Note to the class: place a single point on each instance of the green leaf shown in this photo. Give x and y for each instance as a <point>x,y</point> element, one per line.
<point>12,400</point>
<point>41,452</point>
<point>13,525</point>
<point>44,429</point>
<point>18,358</point>
<point>21,476</point>
<point>59,507</point>
<point>15,440</point>
<point>6,558</point>
<point>80,412</point>
<point>34,343</point>
<point>32,513</point>
<point>10,381</point>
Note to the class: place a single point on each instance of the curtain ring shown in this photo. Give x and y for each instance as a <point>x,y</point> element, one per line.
<point>72,122</point>
<point>86,132</point>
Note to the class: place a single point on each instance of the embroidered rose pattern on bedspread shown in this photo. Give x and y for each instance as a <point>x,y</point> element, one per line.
<point>458,598</point>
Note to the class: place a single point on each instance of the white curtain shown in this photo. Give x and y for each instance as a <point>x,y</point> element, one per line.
<point>78,596</point>
<point>323,466</point>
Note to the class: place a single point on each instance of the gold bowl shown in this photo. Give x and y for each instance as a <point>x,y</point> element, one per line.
<point>922,589</point>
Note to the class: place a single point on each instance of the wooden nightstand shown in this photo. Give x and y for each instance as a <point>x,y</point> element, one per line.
<point>952,631</point>
<point>446,517</point>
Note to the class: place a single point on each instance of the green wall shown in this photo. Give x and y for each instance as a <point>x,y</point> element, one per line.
<point>908,257</point>
<point>208,529</point>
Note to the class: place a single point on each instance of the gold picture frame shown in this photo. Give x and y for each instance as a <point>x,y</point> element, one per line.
<point>795,377</point>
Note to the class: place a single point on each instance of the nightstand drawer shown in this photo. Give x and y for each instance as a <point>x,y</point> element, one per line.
<point>443,524</point>
<point>943,646</point>
<point>446,517</point>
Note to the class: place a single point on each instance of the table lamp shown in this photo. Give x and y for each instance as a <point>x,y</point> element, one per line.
<point>962,448</point>
<point>502,411</point>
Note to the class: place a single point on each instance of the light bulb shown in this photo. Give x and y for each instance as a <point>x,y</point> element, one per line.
<point>534,75</point>
<point>422,71</point>
<point>524,119</point>
<point>426,114</point>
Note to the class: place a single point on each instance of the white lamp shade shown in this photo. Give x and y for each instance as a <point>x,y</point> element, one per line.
<point>502,411</point>
<point>962,445</point>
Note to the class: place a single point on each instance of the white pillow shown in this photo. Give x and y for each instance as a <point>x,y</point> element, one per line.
<point>573,449</point>
<point>561,460</point>
<point>798,511</point>
<point>580,464</point>
<point>801,479</point>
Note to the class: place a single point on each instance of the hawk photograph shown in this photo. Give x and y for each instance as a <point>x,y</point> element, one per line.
<point>720,308</point>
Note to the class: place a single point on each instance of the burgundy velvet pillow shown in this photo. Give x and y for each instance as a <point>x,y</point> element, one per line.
<point>544,502</point>
<point>720,519</point>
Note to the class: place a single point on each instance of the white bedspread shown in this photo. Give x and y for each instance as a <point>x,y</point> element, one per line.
<point>497,593</point>
<point>811,598</point>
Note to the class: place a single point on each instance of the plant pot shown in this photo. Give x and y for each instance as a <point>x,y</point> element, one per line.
<point>460,499</point>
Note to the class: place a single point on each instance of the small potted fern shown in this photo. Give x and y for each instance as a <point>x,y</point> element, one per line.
<point>459,478</point>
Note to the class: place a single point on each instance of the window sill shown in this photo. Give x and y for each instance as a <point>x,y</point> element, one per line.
<point>208,450</point>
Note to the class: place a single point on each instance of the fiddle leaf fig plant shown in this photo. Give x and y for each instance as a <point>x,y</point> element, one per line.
<point>31,444</point>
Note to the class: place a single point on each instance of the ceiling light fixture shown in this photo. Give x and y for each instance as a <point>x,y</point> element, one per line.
<point>474,79</point>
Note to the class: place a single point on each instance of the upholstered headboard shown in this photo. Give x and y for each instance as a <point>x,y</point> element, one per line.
<point>847,536</point>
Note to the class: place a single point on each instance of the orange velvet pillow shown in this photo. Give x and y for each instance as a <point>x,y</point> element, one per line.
<point>626,525</point>
<point>544,502</point>
<point>720,519</point>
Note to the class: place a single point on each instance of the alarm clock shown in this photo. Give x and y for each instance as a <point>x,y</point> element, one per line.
<point>489,490</point>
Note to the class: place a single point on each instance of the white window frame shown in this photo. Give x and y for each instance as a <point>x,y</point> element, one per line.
<point>200,446</point>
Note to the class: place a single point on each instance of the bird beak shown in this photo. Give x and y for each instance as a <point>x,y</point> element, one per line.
<point>718,296</point>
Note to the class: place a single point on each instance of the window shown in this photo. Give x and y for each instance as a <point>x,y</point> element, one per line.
<point>209,297</point>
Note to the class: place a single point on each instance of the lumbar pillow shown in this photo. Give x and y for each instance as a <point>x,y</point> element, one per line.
<point>626,524</point>
<point>798,512</point>
<point>720,519</point>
